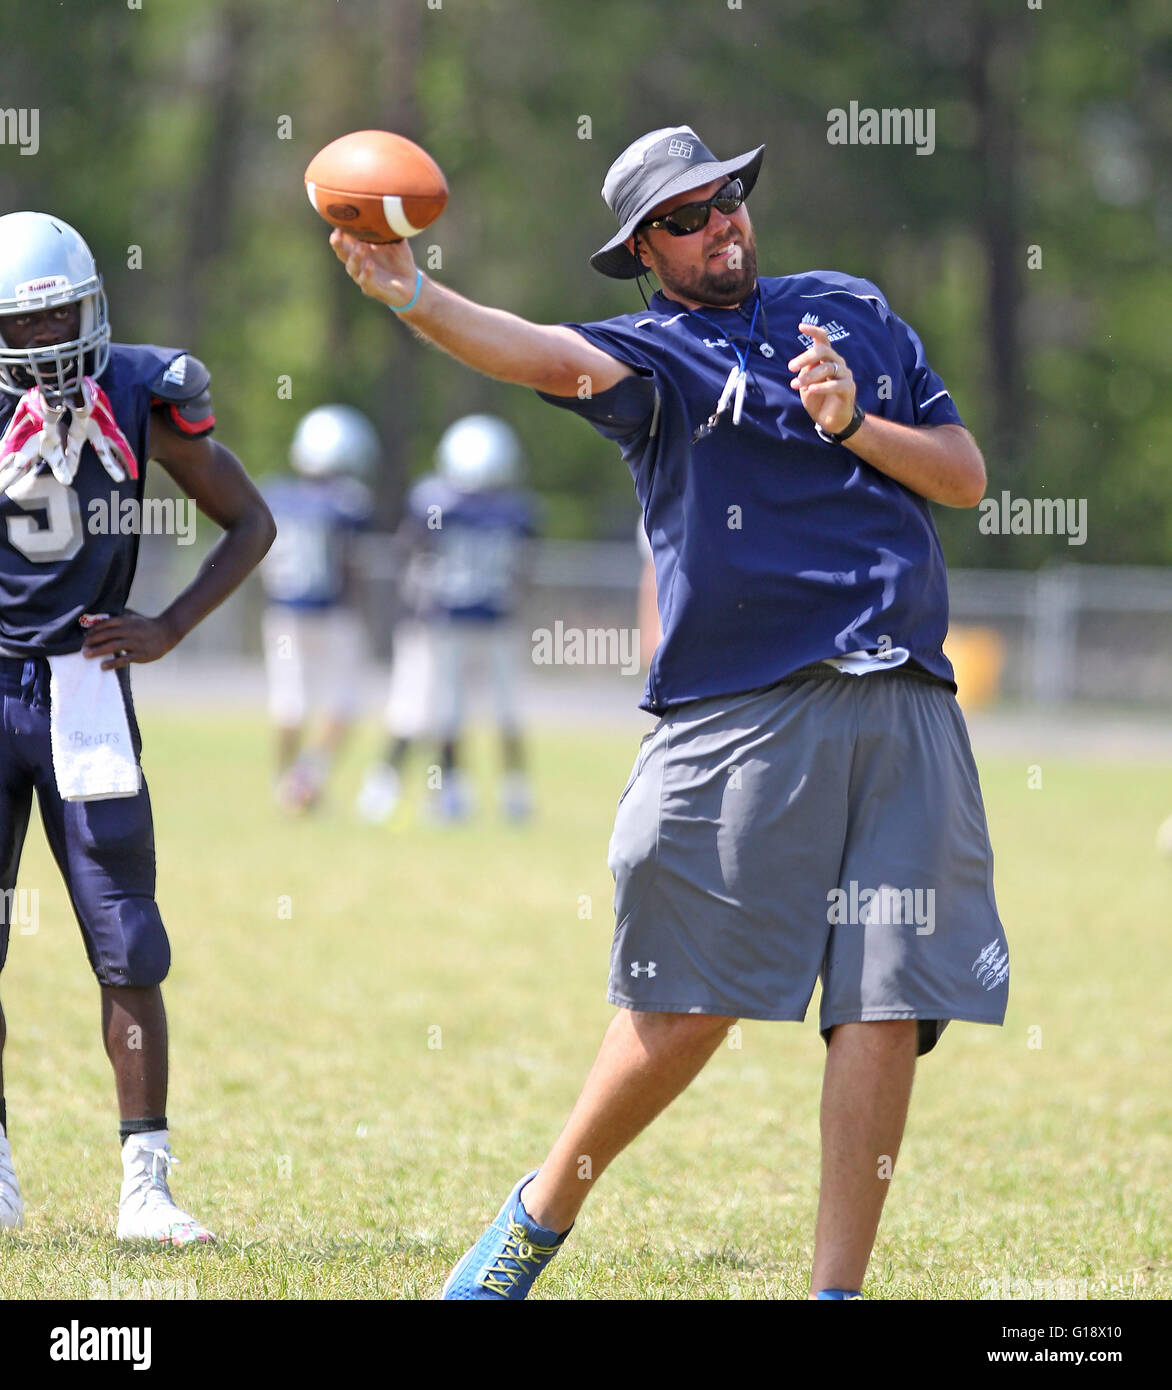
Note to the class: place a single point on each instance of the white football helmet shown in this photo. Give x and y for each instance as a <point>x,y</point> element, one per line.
<point>479,452</point>
<point>335,440</point>
<point>44,263</point>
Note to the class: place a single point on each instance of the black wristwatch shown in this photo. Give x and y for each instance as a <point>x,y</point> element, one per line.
<point>856,420</point>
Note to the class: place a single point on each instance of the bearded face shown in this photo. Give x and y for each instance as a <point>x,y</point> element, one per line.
<point>715,266</point>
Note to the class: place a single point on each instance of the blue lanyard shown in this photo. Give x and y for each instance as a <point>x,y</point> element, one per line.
<point>734,387</point>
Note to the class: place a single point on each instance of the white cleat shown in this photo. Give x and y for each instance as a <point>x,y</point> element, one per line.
<point>379,796</point>
<point>301,788</point>
<point>11,1206</point>
<point>146,1209</point>
<point>453,802</point>
<point>516,797</point>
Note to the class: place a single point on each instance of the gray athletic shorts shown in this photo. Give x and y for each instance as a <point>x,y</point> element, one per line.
<point>826,826</point>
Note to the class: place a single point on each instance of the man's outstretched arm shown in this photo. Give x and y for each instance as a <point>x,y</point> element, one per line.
<point>546,357</point>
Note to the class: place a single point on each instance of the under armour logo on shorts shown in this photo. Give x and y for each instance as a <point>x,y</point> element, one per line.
<point>648,969</point>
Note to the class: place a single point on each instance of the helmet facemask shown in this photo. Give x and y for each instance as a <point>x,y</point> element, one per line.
<point>57,368</point>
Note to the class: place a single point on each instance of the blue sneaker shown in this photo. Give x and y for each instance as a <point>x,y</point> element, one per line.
<point>508,1257</point>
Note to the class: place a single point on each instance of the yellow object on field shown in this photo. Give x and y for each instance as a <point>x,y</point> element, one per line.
<point>978,658</point>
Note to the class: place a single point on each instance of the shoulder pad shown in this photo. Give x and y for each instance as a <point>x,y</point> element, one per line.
<point>183,388</point>
<point>183,379</point>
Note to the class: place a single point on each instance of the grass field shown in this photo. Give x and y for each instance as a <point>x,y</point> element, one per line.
<point>342,1147</point>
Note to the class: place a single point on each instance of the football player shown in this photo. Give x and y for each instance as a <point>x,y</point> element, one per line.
<point>79,418</point>
<point>470,523</point>
<point>313,634</point>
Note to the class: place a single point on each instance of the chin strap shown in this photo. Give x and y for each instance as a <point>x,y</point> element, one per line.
<point>37,431</point>
<point>642,271</point>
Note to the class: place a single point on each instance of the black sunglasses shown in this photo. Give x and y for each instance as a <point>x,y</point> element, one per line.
<point>683,221</point>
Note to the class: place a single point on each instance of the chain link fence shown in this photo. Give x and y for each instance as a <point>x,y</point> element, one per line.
<point>1061,635</point>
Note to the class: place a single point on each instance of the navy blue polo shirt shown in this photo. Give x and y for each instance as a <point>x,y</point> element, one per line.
<point>772,548</point>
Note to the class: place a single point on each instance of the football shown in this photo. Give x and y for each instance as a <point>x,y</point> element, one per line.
<point>375,185</point>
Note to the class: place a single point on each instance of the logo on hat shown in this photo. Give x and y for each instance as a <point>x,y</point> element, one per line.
<point>681,148</point>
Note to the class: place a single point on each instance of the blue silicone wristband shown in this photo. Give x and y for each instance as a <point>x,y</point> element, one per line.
<point>402,308</point>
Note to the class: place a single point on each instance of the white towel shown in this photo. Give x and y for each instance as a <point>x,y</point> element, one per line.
<point>93,757</point>
<point>862,663</point>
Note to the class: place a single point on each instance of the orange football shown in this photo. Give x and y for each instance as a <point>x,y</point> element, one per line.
<point>376,186</point>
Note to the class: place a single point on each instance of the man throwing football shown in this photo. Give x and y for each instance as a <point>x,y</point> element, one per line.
<point>807,805</point>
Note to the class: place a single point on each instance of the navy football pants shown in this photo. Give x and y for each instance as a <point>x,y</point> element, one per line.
<point>104,849</point>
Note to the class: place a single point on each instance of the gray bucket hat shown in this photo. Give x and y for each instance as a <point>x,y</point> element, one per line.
<point>657,166</point>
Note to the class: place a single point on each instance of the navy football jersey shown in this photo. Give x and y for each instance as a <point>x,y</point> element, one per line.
<point>316,522</point>
<point>476,543</point>
<point>60,556</point>
<point>773,549</point>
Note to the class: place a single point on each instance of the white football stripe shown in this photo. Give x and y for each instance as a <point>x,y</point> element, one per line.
<point>397,219</point>
<point>311,189</point>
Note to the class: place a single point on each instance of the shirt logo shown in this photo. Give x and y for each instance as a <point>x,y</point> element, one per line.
<point>715,342</point>
<point>681,149</point>
<point>834,330</point>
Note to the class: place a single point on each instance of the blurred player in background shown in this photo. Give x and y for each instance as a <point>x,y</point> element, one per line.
<point>79,418</point>
<point>469,523</point>
<point>409,714</point>
<point>314,640</point>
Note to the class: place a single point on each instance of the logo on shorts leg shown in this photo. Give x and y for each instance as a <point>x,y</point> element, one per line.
<point>992,965</point>
<point>648,970</point>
